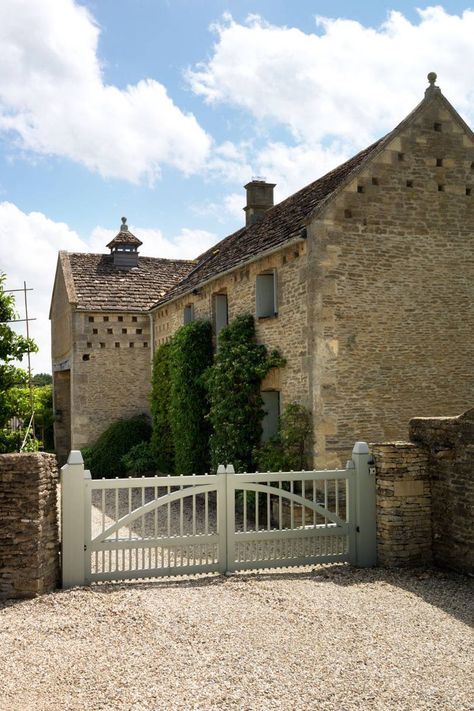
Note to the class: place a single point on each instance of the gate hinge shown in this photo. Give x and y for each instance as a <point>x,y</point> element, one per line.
<point>358,529</point>
<point>85,547</point>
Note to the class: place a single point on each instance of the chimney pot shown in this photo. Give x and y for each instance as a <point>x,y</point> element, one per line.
<point>259,200</point>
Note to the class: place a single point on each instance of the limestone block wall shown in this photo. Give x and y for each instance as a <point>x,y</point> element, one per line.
<point>403,490</point>
<point>449,442</point>
<point>111,371</point>
<point>391,290</point>
<point>29,542</point>
<point>287,331</point>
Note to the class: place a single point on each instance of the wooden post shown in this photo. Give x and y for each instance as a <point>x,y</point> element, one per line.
<point>221,493</point>
<point>72,520</point>
<point>366,537</point>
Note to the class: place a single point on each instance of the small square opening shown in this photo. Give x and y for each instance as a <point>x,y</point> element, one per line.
<point>401,156</point>
<point>106,318</point>
<point>437,127</point>
<point>124,330</point>
<point>134,319</point>
<point>439,162</point>
<point>120,318</point>
<point>86,356</point>
<point>91,319</point>
<point>102,345</point>
<point>131,344</point>
<point>409,183</point>
<point>117,344</point>
<point>145,344</point>
<point>138,331</point>
<point>375,181</point>
<point>109,330</point>
<point>468,191</point>
<point>347,214</point>
<point>95,331</point>
<point>441,188</point>
<point>89,344</point>
<point>360,188</point>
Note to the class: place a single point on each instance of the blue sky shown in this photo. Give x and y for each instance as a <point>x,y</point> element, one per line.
<point>162,110</point>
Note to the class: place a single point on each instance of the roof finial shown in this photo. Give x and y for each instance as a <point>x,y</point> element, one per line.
<point>124,226</point>
<point>432,89</point>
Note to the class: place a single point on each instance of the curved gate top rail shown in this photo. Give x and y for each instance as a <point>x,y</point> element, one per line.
<point>114,529</point>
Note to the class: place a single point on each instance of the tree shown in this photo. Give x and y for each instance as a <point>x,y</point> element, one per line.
<point>12,348</point>
<point>162,444</point>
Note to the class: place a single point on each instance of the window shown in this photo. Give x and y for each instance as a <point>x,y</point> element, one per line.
<point>271,408</point>
<point>266,295</point>
<point>134,319</point>
<point>188,314</point>
<point>221,318</point>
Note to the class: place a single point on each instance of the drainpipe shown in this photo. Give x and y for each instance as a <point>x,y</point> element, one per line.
<point>152,343</point>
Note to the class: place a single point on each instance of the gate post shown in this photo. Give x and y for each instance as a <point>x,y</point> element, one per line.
<point>222,516</point>
<point>366,540</point>
<point>72,520</point>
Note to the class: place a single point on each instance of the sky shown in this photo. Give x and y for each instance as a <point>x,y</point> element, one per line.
<point>161,110</point>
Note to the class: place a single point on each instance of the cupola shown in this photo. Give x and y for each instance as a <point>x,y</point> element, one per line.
<point>124,248</point>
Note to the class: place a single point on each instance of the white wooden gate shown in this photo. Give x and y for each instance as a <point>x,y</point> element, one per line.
<point>116,529</point>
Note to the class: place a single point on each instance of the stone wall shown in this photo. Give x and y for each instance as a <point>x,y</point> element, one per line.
<point>287,331</point>
<point>29,542</point>
<point>449,442</point>
<point>391,287</point>
<point>425,495</point>
<point>404,534</point>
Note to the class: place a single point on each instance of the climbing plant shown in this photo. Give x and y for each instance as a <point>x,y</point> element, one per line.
<point>162,445</point>
<point>233,385</point>
<point>190,356</point>
<point>290,449</point>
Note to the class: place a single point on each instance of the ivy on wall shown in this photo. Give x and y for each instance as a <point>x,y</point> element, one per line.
<point>162,445</point>
<point>233,385</point>
<point>190,356</point>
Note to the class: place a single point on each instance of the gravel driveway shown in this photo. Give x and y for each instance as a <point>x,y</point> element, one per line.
<point>326,637</point>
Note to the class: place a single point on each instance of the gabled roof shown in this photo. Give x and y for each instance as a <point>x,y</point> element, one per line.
<point>279,225</point>
<point>287,220</point>
<point>93,283</point>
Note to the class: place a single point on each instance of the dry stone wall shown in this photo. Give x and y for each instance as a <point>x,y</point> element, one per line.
<point>29,542</point>
<point>425,495</point>
<point>449,442</point>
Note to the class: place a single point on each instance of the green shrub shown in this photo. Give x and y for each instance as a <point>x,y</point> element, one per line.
<point>290,449</point>
<point>104,458</point>
<point>190,356</point>
<point>10,441</point>
<point>139,460</point>
<point>162,437</point>
<point>233,384</point>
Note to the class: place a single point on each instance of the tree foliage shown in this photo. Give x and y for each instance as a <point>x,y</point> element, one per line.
<point>290,449</point>
<point>104,458</point>
<point>190,357</point>
<point>12,348</point>
<point>234,384</point>
<point>162,445</point>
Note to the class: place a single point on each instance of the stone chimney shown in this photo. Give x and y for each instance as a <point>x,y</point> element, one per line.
<point>259,200</point>
<point>124,248</point>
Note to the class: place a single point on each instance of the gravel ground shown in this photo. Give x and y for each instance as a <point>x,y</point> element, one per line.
<point>327,637</point>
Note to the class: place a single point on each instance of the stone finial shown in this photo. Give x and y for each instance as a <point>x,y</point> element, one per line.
<point>124,226</point>
<point>432,89</point>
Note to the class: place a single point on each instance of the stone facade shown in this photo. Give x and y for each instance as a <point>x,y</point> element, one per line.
<point>29,543</point>
<point>425,495</point>
<point>391,288</point>
<point>284,331</point>
<point>111,369</point>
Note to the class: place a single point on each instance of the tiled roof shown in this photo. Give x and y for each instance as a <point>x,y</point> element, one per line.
<point>279,224</point>
<point>99,286</point>
<point>124,237</point>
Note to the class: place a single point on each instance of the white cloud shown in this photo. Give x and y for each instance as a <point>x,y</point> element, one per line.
<point>345,80</point>
<point>30,245</point>
<point>53,97</point>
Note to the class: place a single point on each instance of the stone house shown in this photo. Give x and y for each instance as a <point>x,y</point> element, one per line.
<point>363,279</point>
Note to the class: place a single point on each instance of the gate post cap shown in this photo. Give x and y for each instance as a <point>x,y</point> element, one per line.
<point>361,448</point>
<point>75,457</point>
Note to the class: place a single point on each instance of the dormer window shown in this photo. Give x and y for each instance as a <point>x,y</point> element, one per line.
<point>124,248</point>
